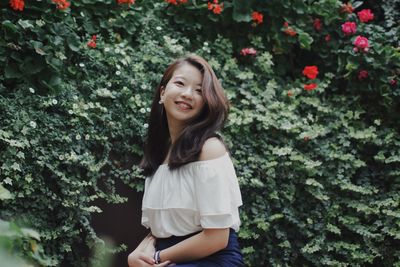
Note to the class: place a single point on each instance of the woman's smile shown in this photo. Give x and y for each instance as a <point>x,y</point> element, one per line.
<point>183,105</point>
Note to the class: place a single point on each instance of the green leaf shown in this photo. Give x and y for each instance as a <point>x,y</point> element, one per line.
<point>241,10</point>
<point>9,25</point>
<point>25,24</point>
<point>73,42</point>
<point>12,72</point>
<point>305,40</point>
<point>4,193</point>
<point>31,233</point>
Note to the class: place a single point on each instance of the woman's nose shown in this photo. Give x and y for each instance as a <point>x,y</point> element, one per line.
<point>187,92</point>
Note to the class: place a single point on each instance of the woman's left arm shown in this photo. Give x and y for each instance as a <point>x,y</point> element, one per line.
<point>198,246</point>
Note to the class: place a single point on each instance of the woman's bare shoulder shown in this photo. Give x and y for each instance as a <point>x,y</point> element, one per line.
<point>213,148</point>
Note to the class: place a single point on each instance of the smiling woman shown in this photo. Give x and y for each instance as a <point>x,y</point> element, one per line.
<point>192,195</point>
<point>182,97</point>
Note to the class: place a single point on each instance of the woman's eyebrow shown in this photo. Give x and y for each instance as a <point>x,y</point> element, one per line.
<point>182,77</point>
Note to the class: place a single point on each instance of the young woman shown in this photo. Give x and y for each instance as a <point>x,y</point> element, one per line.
<point>192,195</point>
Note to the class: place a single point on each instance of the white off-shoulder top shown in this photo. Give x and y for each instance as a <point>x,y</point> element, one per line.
<point>198,195</point>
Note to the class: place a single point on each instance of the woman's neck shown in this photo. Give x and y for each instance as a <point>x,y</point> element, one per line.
<point>174,132</point>
<point>175,129</point>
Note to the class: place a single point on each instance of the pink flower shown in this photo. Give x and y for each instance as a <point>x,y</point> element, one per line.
<point>361,42</point>
<point>248,51</point>
<point>362,75</point>
<point>365,15</point>
<point>327,37</point>
<point>349,28</point>
<point>393,82</point>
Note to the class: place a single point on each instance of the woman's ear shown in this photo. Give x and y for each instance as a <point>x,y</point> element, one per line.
<point>162,92</point>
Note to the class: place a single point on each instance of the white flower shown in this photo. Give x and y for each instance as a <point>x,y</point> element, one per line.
<point>117,50</point>
<point>145,125</point>
<point>87,137</point>
<point>118,72</point>
<point>75,97</point>
<point>118,66</point>
<point>32,124</point>
<point>40,22</point>
<point>54,101</point>
<point>31,90</point>
<point>81,65</point>
<point>109,84</point>
<point>205,44</point>
<point>158,28</point>
<point>70,112</point>
<point>78,137</point>
<point>148,109</point>
<point>61,157</point>
<point>107,49</point>
<point>143,86</point>
<point>142,110</point>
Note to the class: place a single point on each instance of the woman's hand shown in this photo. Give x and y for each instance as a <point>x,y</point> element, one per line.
<point>142,256</point>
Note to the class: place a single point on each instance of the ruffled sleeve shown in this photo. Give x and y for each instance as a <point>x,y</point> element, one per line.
<point>217,193</point>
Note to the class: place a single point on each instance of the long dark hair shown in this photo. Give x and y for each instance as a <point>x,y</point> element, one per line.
<point>188,145</point>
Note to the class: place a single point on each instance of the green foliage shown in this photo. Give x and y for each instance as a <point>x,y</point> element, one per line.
<point>319,170</point>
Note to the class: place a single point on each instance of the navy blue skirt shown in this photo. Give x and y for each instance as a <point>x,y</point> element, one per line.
<point>230,256</point>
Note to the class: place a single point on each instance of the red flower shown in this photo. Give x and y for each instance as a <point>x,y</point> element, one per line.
<point>347,8</point>
<point>361,43</point>
<point>317,24</point>
<point>310,87</point>
<point>218,8</point>
<point>349,28</point>
<point>289,93</point>
<point>257,17</point>
<point>176,2</point>
<point>327,37</point>
<point>92,42</point>
<point>61,4</point>
<point>393,82</point>
<point>289,30</point>
<point>365,15</point>
<point>17,5</point>
<point>362,75</point>
<point>215,7</point>
<point>248,51</point>
<point>310,72</point>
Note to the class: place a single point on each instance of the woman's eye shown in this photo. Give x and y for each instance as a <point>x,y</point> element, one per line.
<point>180,83</point>
<point>198,91</point>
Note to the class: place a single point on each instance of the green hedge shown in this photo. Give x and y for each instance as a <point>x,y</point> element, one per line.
<point>319,169</point>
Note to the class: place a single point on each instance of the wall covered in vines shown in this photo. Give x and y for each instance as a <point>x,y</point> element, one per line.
<point>313,129</point>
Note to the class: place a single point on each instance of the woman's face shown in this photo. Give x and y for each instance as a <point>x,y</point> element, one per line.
<point>182,96</point>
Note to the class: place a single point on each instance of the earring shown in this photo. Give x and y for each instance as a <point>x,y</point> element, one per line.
<point>160,102</point>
